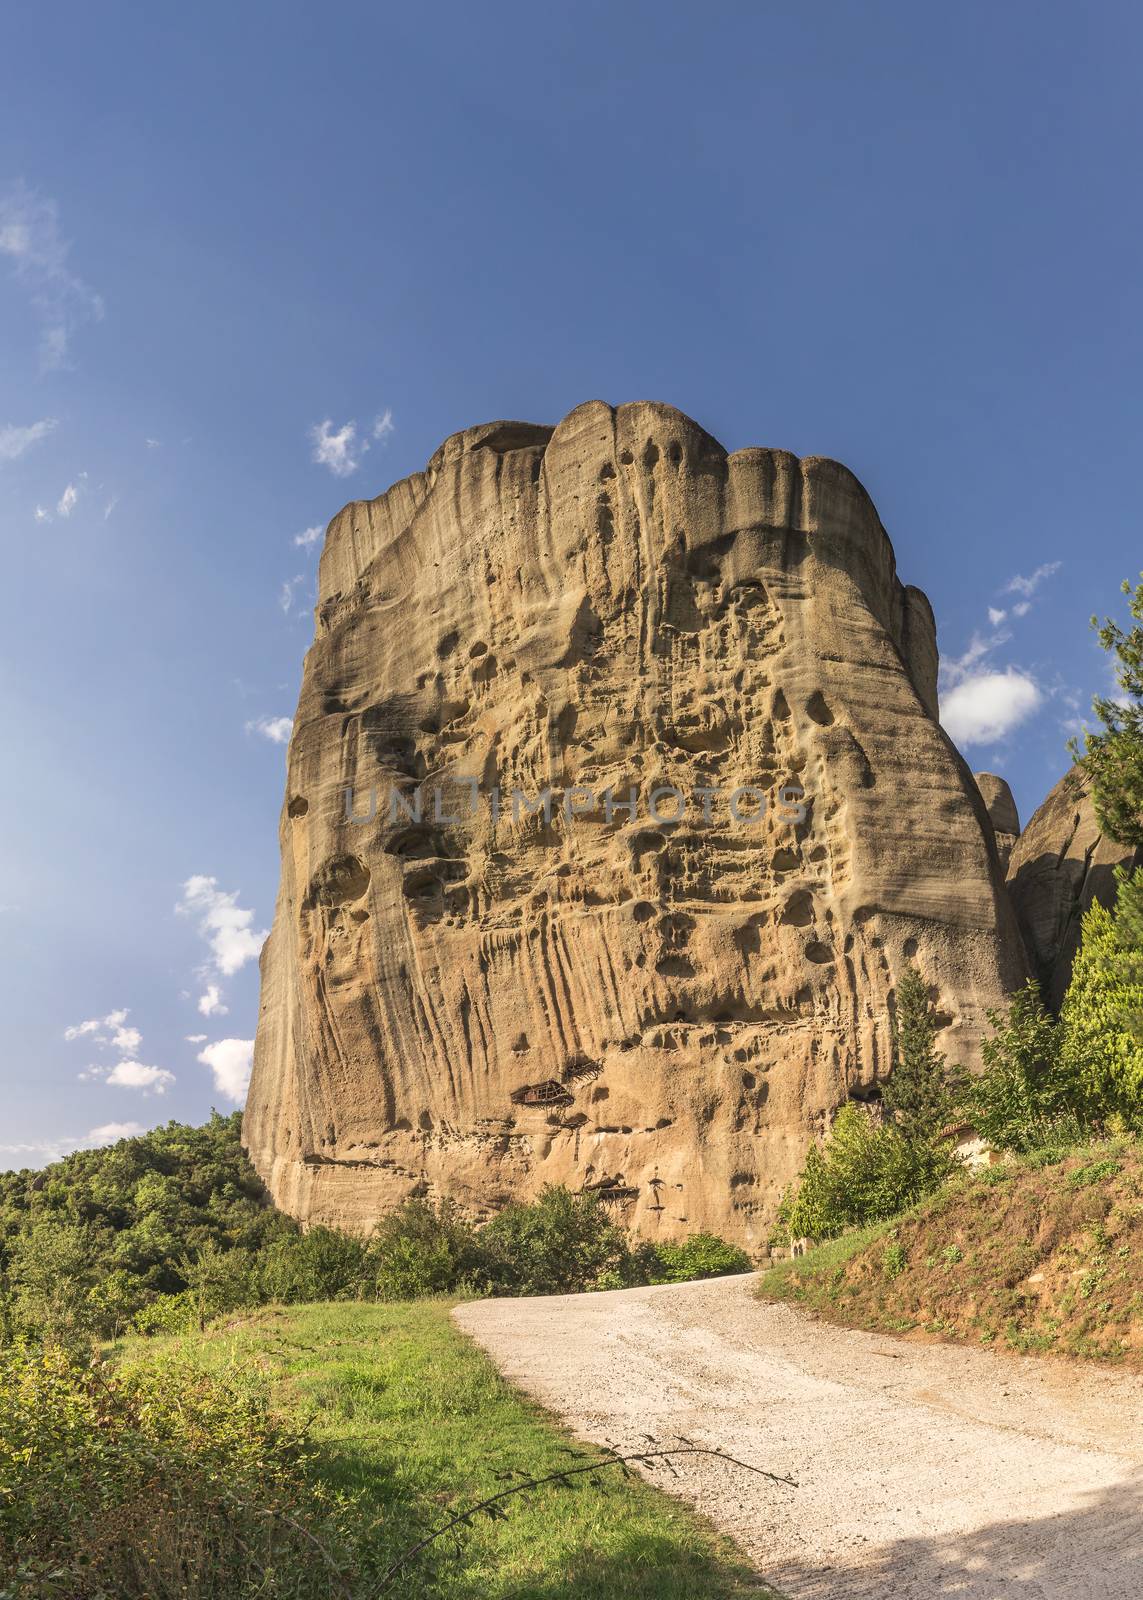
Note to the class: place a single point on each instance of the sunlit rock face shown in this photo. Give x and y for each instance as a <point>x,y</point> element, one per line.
<point>664,1003</point>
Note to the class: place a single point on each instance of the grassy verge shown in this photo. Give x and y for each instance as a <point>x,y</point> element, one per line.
<point>1042,1255</point>
<point>415,1422</point>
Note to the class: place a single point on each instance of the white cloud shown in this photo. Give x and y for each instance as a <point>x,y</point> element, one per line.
<point>309,537</point>
<point>986,706</point>
<point>1028,586</point>
<point>134,1075</point>
<point>153,444</point>
<point>196,1038</point>
<point>43,514</point>
<point>223,923</point>
<point>210,1004</point>
<point>110,506</point>
<point>66,503</point>
<point>109,1030</point>
<point>229,1061</point>
<point>996,615</point>
<point>338,449</point>
<point>78,1029</point>
<point>15,442</point>
<point>130,1074</point>
<point>341,449</point>
<point>1021,608</point>
<point>31,241</point>
<point>276,729</point>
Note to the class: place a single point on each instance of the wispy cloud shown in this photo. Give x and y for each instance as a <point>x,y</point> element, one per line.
<point>17,441</point>
<point>39,1152</point>
<point>110,1031</point>
<point>230,1061</point>
<point>996,615</point>
<point>228,931</point>
<point>31,241</point>
<point>288,592</point>
<point>1028,586</point>
<point>276,729</point>
<point>66,503</point>
<point>341,449</point>
<point>309,537</point>
<point>196,1038</point>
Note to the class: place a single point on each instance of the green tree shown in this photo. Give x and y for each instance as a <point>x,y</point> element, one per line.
<point>920,1095</point>
<point>1025,1098</point>
<point>1113,758</point>
<point>1103,1042</point>
<point>866,1171</point>
<point>52,1273</point>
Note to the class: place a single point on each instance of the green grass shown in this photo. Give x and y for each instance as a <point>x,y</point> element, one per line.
<point>415,1422</point>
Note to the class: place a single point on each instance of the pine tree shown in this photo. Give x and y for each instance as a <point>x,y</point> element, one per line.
<point>1103,1008</point>
<point>920,1095</point>
<point>1113,759</point>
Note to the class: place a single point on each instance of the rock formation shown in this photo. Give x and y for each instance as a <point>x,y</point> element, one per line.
<point>665,1003</point>
<point>1002,813</point>
<point>1060,864</point>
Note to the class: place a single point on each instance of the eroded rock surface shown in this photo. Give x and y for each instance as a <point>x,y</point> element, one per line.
<point>1002,813</point>
<point>476,1005</point>
<point>1061,863</point>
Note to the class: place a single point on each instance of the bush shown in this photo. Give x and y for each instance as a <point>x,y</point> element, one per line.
<point>562,1243</point>
<point>865,1172</point>
<point>156,1483</point>
<point>704,1255</point>
<point>420,1250</point>
<point>1024,1099</point>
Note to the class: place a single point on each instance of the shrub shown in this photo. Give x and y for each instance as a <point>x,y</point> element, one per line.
<point>421,1250</point>
<point>865,1172</point>
<point>704,1255</point>
<point>1024,1099</point>
<point>320,1264</point>
<point>562,1243</point>
<point>156,1483</point>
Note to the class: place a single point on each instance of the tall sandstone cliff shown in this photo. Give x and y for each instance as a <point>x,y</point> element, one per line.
<point>663,1010</point>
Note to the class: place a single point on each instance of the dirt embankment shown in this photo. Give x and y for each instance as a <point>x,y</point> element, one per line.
<point>1044,1255</point>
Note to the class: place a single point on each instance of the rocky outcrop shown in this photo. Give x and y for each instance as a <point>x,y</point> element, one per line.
<point>1002,813</point>
<point>660,997</point>
<point>1061,863</point>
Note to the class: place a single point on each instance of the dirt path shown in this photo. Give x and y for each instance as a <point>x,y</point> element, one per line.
<point>924,1471</point>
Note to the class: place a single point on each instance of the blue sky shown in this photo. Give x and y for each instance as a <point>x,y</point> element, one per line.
<point>904,236</point>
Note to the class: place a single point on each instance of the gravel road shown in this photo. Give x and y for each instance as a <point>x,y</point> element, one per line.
<point>923,1471</point>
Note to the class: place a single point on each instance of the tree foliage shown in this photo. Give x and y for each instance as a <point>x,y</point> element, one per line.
<point>1101,1015</point>
<point>920,1095</point>
<point>1113,757</point>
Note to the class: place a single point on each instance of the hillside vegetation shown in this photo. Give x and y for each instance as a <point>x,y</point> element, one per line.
<point>1042,1253</point>
<point>298,1453</point>
<point>163,1232</point>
